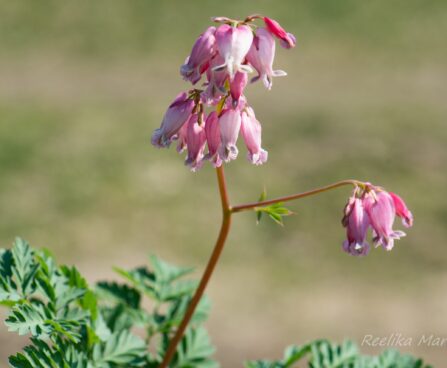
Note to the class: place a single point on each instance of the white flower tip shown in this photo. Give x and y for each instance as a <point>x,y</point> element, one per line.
<point>279,73</point>
<point>245,68</point>
<point>258,158</point>
<point>267,82</point>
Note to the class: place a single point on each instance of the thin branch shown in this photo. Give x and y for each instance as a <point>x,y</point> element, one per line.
<point>253,205</point>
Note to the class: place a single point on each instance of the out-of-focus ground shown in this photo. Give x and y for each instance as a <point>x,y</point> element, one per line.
<point>82,86</point>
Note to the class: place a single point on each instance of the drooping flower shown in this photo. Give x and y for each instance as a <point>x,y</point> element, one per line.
<point>287,40</point>
<point>237,86</point>
<point>197,62</point>
<point>380,208</point>
<point>230,124</point>
<point>181,138</point>
<point>177,114</point>
<point>195,142</point>
<point>401,210</point>
<point>356,222</point>
<point>251,132</point>
<point>212,131</point>
<point>261,56</point>
<point>216,82</point>
<point>233,44</point>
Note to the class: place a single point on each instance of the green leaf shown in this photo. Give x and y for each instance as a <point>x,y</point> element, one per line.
<point>119,293</point>
<point>275,211</point>
<point>165,272</point>
<point>161,285</point>
<point>262,197</point>
<point>25,319</point>
<point>38,321</point>
<point>328,355</point>
<point>195,350</point>
<point>121,348</point>
<point>25,266</point>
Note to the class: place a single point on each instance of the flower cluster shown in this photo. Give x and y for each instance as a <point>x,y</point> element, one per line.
<point>372,207</point>
<point>223,55</point>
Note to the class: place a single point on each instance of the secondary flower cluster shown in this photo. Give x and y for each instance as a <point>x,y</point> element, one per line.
<point>372,207</point>
<point>224,55</point>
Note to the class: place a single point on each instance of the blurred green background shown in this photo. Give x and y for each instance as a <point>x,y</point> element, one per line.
<point>84,83</point>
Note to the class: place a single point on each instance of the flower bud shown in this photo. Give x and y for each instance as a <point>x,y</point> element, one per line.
<point>287,40</point>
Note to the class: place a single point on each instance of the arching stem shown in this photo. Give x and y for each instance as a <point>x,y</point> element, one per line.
<point>292,197</point>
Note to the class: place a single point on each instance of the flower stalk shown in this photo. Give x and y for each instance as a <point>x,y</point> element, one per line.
<point>227,211</point>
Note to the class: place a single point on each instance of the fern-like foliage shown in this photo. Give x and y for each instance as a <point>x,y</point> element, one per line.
<point>73,325</point>
<point>324,354</point>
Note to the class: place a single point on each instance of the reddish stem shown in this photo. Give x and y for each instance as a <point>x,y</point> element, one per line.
<point>253,205</point>
<point>220,243</point>
<point>224,229</point>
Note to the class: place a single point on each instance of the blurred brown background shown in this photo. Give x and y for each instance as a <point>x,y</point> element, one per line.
<point>82,86</point>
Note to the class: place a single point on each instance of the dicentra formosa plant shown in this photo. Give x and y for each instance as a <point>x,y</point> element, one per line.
<point>73,325</point>
<point>213,116</point>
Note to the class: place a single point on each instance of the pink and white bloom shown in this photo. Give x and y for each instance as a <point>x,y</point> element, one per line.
<point>237,86</point>
<point>177,114</point>
<point>203,50</point>
<point>356,222</point>
<point>261,56</point>
<point>230,124</point>
<point>212,131</point>
<point>233,44</point>
<point>287,40</point>
<point>251,132</point>
<point>401,210</point>
<point>380,208</point>
<point>216,82</point>
<point>195,142</point>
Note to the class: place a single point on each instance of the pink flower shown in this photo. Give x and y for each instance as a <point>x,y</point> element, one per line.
<point>251,132</point>
<point>356,222</point>
<point>176,115</point>
<point>401,210</point>
<point>230,124</point>
<point>261,55</point>
<point>216,82</point>
<point>381,212</point>
<point>237,86</point>
<point>181,138</point>
<point>212,131</point>
<point>195,141</point>
<point>287,40</point>
<point>233,44</point>
<point>202,52</point>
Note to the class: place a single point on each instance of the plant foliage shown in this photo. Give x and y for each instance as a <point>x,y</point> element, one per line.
<point>73,325</point>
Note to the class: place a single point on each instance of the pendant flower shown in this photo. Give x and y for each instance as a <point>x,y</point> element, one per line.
<point>223,55</point>
<point>373,208</point>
